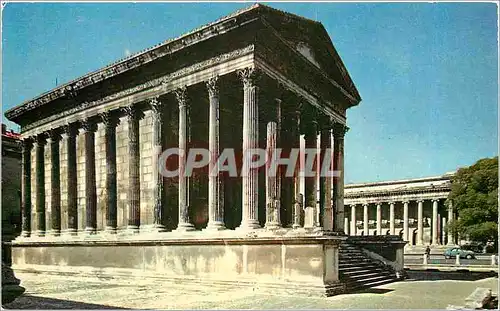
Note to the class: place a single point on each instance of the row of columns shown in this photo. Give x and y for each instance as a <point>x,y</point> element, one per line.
<point>420,226</point>
<point>327,205</point>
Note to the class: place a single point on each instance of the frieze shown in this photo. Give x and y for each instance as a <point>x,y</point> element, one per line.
<point>158,82</point>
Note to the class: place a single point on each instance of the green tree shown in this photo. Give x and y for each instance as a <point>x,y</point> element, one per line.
<point>474,193</point>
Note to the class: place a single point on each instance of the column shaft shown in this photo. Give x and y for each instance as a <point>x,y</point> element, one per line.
<point>250,141</point>
<point>353,220</point>
<point>325,183</point>
<point>71,132</point>
<point>297,196</point>
<point>435,222</point>
<point>339,131</point>
<point>365,220</point>
<point>26,187</point>
<point>405,221</point>
<point>391,218</point>
<point>134,191</point>
<point>40,184</point>
<point>346,226</point>
<point>158,193</point>
<point>184,221</point>
<point>420,224</point>
<point>311,182</point>
<point>379,219</point>
<point>55,194</point>
<point>90,179</point>
<point>272,180</point>
<point>450,218</point>
<point>110,121</point>
<point>215,195</point>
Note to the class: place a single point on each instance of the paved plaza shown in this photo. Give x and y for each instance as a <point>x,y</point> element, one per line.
<point>58,292</point>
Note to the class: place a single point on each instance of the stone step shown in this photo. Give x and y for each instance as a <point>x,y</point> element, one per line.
<point>366,264</point>
<point>357,287</point>
<point>360,270</point>
<point>369,280</point>
<point>366,276</point>
<point>364,272</point>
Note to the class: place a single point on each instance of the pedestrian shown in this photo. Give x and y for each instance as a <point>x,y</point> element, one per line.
<point>428,252</point>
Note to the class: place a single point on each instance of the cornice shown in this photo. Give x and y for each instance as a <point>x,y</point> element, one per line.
<point>152,84</point>
<point>395,192</point>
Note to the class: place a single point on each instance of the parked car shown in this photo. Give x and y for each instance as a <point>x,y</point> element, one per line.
<point>475,247</point>
<point>453,252</point>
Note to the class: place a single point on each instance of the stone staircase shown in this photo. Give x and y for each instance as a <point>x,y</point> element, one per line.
<point>358,271</point>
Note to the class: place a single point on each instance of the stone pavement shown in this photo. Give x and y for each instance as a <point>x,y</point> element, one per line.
<point>58,292</point>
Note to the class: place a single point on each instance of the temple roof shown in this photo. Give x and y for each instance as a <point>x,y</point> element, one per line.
<point>307,36</point>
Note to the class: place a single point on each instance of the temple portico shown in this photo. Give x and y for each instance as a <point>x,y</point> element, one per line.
<point>103,171</point>
<point>417,210</point>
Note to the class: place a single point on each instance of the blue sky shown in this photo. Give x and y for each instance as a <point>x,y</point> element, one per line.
<point>427,73</point>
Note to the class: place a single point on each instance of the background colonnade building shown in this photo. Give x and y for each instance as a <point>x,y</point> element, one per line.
<point>416,209</point>
<point>91,146</point>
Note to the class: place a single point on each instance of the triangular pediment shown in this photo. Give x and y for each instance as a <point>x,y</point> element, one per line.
<point>312,41</point>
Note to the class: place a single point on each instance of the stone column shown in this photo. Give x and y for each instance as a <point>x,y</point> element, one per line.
<point>420,223</point>
<point>215,195</point>
<point>250,141</point>
<point>27,145</point>
<point>272,180</point>
<point>346,226</point>
<point>157,107</point>
<point>71,131</point>
<point>366,229</point>
<point>379,219</point>
<point>405,220</point>
<point>391,218</point>
<point>298,197</point>
<point>134,191</point>
<point>325,183</point>
<point>450,218</point>
<point>40,184</point>
<point>353,219</point>
<point>110,121</point>
<point>339,131</point>
<point>55,194</point>
<point>311,182</point>
<point>184,221</point>
<point>435,222</point>
<point>89,128</point>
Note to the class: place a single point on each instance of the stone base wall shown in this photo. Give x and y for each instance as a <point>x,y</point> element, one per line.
<point>306,266</point>
<point>390,247</point>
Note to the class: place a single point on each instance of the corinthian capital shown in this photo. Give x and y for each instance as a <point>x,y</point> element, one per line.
<point>181,96</point>
<point>339,130</point>
<point>248,76</point>
<point>70,129</point>
<point>109,118</point>
<point>55,135</point>
<point>213,87</point>
<point>89,125</point>
<point>132,112</point>
<point>27,144</point>
<point>41,139</point>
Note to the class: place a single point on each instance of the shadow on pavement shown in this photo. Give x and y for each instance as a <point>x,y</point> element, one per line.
<point>434,275</point>
<point>43,303</point>
<point>374,291</point>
